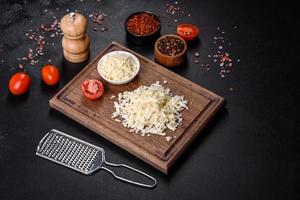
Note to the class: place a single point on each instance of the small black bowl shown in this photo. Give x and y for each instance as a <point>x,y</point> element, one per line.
<point>142,39</point>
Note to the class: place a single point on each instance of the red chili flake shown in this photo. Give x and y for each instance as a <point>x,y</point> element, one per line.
<point>143,24</point>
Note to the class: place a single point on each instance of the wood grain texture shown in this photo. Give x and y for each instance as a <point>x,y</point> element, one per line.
<point>96,115</point>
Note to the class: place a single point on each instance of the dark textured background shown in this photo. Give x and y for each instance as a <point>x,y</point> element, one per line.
<point>249,151</point>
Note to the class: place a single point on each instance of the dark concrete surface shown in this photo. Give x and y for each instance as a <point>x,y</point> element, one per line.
<point>249,151</point>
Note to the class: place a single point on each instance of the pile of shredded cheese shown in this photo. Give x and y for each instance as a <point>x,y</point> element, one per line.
<point>118,67</point>
<point>150,109</point>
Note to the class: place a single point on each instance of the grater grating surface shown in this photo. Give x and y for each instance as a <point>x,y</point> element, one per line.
<point>79,155</point>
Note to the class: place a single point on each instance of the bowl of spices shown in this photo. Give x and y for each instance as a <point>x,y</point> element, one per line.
<point>142,27</point>
<point>170,50</point>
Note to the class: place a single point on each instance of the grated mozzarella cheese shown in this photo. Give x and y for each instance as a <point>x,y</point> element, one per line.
<point>150,109</point>
<point>118,67</point>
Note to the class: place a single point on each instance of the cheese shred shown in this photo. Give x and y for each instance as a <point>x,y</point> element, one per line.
<point>118,67</point>
<point>150,109</point>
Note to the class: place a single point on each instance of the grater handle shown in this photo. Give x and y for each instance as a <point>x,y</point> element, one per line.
<point>41,142</point>
<point>127,180</point>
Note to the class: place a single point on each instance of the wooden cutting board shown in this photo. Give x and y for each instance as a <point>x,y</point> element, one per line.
<point>96,115</point>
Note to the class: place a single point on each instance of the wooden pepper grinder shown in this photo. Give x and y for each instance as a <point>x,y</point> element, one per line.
<point>75,41</point>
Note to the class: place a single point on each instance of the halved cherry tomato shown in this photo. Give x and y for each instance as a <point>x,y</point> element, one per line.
<point>19,83</point>
<point>50,74</point>
<point>188,31</point>
<point>92,89</point>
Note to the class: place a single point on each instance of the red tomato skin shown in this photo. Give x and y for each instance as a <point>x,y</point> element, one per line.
<point>19,83</point>
<point>89,95</point>
<point>193,34</point>
<point>50,74</point>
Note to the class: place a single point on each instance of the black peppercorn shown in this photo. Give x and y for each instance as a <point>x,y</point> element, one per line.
<point>170,46</point>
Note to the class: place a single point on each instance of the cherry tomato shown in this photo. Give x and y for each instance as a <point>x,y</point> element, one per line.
<point>50,74</point>
<point>19,83</point>
<point>92,89</point>
<point>187,31</point>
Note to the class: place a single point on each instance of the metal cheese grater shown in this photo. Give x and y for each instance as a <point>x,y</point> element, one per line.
<point>80,156</point>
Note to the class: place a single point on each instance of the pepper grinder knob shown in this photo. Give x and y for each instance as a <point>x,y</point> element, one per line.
<point>75,41</point>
